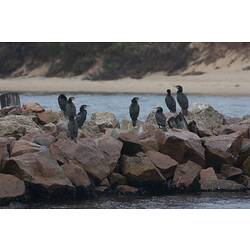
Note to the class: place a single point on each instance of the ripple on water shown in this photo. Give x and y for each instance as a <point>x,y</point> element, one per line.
<point>218,200</point>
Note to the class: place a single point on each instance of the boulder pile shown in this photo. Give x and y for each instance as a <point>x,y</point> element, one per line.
<point>38,161</point>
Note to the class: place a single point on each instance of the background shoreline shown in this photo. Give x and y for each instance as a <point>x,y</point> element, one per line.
<point>210,84</point>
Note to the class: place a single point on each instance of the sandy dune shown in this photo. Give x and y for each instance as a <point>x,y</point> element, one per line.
<point>224,82</point>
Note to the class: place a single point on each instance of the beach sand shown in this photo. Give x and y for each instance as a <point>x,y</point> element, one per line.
<point>216,82</point>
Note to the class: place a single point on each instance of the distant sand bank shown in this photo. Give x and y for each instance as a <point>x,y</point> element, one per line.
<point>212,83</point>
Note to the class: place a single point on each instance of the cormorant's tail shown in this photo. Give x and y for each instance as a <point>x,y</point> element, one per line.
<point>134,123</point>
<point>184,112</point>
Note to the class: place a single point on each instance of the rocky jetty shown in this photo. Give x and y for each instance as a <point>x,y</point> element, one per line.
<point>39,162</point>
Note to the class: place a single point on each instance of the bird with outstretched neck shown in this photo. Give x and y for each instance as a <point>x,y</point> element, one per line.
<point>70,108</point>
<point>182,100</point>
<point>170,102</point>
<point>62,102</point>
<point>134,110</point>
<point>160,118</point>
<point>81,116</point>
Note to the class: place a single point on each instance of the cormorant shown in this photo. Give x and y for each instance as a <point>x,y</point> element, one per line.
<point>182,100</point>
<point>170,102</point>
<point>62,102</point>
<point>70,108</point>
<point>72,128</point>
<point>192,127</point>
<point>160,118</point>
<point>81,116</point>
<point>134,110</point>
<point>181,121</point>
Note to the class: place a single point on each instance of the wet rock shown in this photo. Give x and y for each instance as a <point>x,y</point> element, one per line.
<point>131,143</point>
<point>104,120</point>
<point>39,137</point>
<point>10,110</point>
<point>230,172</point>
<point>151,118</point>
<point>203,132</point>
<point>149,143</point>
<point>93,128</point>
<point>41,172</point>
<point>228,185</point>
<point>208,180</point>
<point>44,140</point>
<point>117,179</point>
<point>140,170</point>
<point>152,139</point>
<point>185,175</point>
<point>11,188</point>
<point>86,153</point>
<point>244,151</point>
<point>50,129</point>
<point>124,124</point>
<point>222,149</point>
<point>22,147</point>
<point>205,116</point>
<point>164,163</point>
<point>48,117</point>
<point>105,182</point>
<point>113,132</point>
<point>127,190</point>
<point>62,126</point>
<point>101,189</point>
<point>6,145</point>
<point>15,111</point>
<point>243,179</point>
<point>111,149</point>
<point>232,128</point>
<point>77,175</point>
<point>187,144</point>
<point>84,133</point>
<point>16,125</point>
<point>32,108</point>
<point>200,131</point>
<point>246,166</point>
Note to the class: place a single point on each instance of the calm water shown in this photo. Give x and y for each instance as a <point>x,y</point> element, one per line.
<point>205,200</point>
<point>118,104</point>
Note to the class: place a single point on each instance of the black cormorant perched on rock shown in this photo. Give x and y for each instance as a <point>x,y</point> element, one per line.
<point>160,118</point>
<point>62,102</point>
<point>72,128</point>
<point>70,108</point>
<point>81,116</point>
<point>134,110</point>
<point>182,100</point>
<point>170,102</point>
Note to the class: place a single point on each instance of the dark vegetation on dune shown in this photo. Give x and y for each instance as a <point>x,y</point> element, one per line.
<point>108,60</point>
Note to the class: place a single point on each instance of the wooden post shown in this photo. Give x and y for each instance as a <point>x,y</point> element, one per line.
<point>10,99</point>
